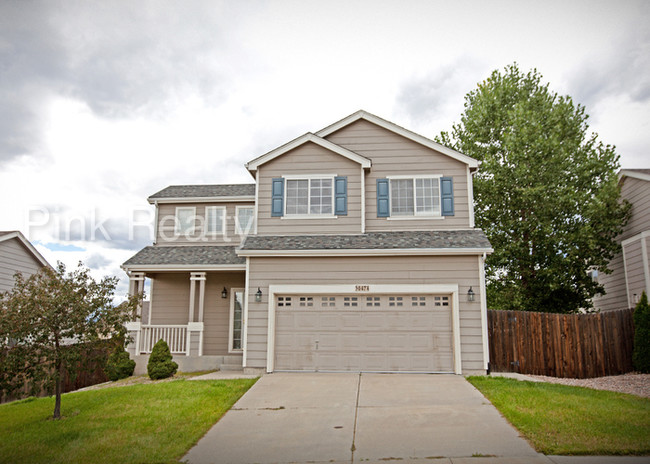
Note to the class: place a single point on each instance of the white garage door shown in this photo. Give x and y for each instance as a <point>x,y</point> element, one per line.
<point>369,333</point>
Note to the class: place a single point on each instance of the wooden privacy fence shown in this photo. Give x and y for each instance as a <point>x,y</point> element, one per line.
<point>561,345</point>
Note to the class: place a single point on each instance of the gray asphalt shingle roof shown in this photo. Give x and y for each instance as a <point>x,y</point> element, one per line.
<point>472,238</point>
<point>185,255</point>
<point>205,191</point>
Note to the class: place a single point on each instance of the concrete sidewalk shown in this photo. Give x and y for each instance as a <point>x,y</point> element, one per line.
<point>293,418</point>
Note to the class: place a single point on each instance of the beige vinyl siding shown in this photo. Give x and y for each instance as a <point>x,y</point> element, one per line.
<point>636,270</point>
<point>393,155</point>
<point>304,160</point>
<point>637,192</point>
<point>14,257</point>
<point>170,301</point>
<point>461,270</point>
<point>166,231</point>
<point>614,284</point>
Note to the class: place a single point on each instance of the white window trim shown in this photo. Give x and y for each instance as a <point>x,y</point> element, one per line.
<point>308,177</point>
<point>306,289</point>
<point>177,221</point>
<point>231,324</point>
<point>251,228</point>
<point>415,215</point>
<point>223,222</point>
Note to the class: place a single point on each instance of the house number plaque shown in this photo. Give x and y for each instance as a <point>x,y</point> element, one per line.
<point>362,288</point>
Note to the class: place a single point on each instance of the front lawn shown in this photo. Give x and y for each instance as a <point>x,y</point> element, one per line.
<point>558,419</point>
<point>155,422</point>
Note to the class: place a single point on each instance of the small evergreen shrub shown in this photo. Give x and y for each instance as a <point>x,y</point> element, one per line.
<point>641,353</point>
<point>119,365</point>
<point>160,365</point>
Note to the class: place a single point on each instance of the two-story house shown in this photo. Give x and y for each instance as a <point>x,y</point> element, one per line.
<point>354,250</point>
<point>630,275</point>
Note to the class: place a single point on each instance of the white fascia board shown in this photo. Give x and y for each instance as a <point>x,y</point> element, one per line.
<point>18,235</point>
<point>366,252</point>
<point>636,175</point>
<point>247,198</point>
<point>471,162</point>
<point>308,137</point>
<point>183,267</point>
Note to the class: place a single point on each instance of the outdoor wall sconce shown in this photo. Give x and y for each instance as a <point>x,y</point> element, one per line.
<point>224,293</point>
<point>470,294</point>
<point>258,295</point>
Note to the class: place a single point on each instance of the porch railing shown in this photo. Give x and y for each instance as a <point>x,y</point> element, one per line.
<point>174,335</point>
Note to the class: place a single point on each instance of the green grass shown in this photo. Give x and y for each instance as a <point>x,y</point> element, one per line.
<point>558,419</point>
<point>149,423</point>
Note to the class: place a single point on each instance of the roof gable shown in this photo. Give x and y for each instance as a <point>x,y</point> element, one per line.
<point>641,174</point>
<point>11,234</point>
<point>308,137</point>
<point>361,114</point>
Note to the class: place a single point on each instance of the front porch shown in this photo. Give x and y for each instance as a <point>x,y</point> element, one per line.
<point>199,314</point>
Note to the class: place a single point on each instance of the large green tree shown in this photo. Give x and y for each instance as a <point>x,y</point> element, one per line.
<point>546,193</point>
<point>47,322</point>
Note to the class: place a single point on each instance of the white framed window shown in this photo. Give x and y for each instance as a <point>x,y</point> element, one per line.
<point>185,220</point>
<point>215,220</point>
<point>244,219</point>
<point>415,196</point>
<point>311,195</point>
<point>236,320</point>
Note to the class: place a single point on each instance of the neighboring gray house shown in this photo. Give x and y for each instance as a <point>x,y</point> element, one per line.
<point>17,255</point>
<point>354,250</point>
<point>630,270</point>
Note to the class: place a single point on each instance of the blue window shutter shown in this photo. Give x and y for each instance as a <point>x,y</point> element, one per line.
<point>277,196</point>
<point>383,198</point>
<point>447,196</point>
<point>341,196</point>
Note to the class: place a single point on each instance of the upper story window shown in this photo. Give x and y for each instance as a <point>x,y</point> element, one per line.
<point>415,196</point>
<point>244,219</point>
<point>184,223</point>
<point>309,196</point>
<point>319,195</point>
<point>215,220</point>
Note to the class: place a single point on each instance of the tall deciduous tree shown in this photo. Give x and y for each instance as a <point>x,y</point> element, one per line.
<point>47,321</point>
<point>546,193</point>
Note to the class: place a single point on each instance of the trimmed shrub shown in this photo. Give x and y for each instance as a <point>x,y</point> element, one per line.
<point>641,353</point>
<point>119,365</point>
<point>160,365</point>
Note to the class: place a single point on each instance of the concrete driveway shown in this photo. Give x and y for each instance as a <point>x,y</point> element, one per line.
<point>299,418</point>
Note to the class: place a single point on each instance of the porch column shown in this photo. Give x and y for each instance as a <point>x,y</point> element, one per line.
<point>134,328</point>
<point>195,329</point>
<point>136,285</point>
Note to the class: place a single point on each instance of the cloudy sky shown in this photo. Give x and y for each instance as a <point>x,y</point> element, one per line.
<point>104,103</point>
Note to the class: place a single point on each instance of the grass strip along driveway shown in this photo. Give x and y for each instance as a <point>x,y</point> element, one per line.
<point>155,422</point>
<point>563,420</point>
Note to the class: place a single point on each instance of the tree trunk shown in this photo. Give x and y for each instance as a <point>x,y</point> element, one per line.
<point>58,378</point>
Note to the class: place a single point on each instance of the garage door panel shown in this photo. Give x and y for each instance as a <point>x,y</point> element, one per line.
<point>351,321</point>
<point>410,333</point>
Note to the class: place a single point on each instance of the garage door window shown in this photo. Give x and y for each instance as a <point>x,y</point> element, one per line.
<point>418,301</point>
<point>395,301</point>
<point>327,301</point>
<point>350,301</point>
<point>373,301</point>
<point>284,301</point>
<point>441,300</point>
<point>306,301</point>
